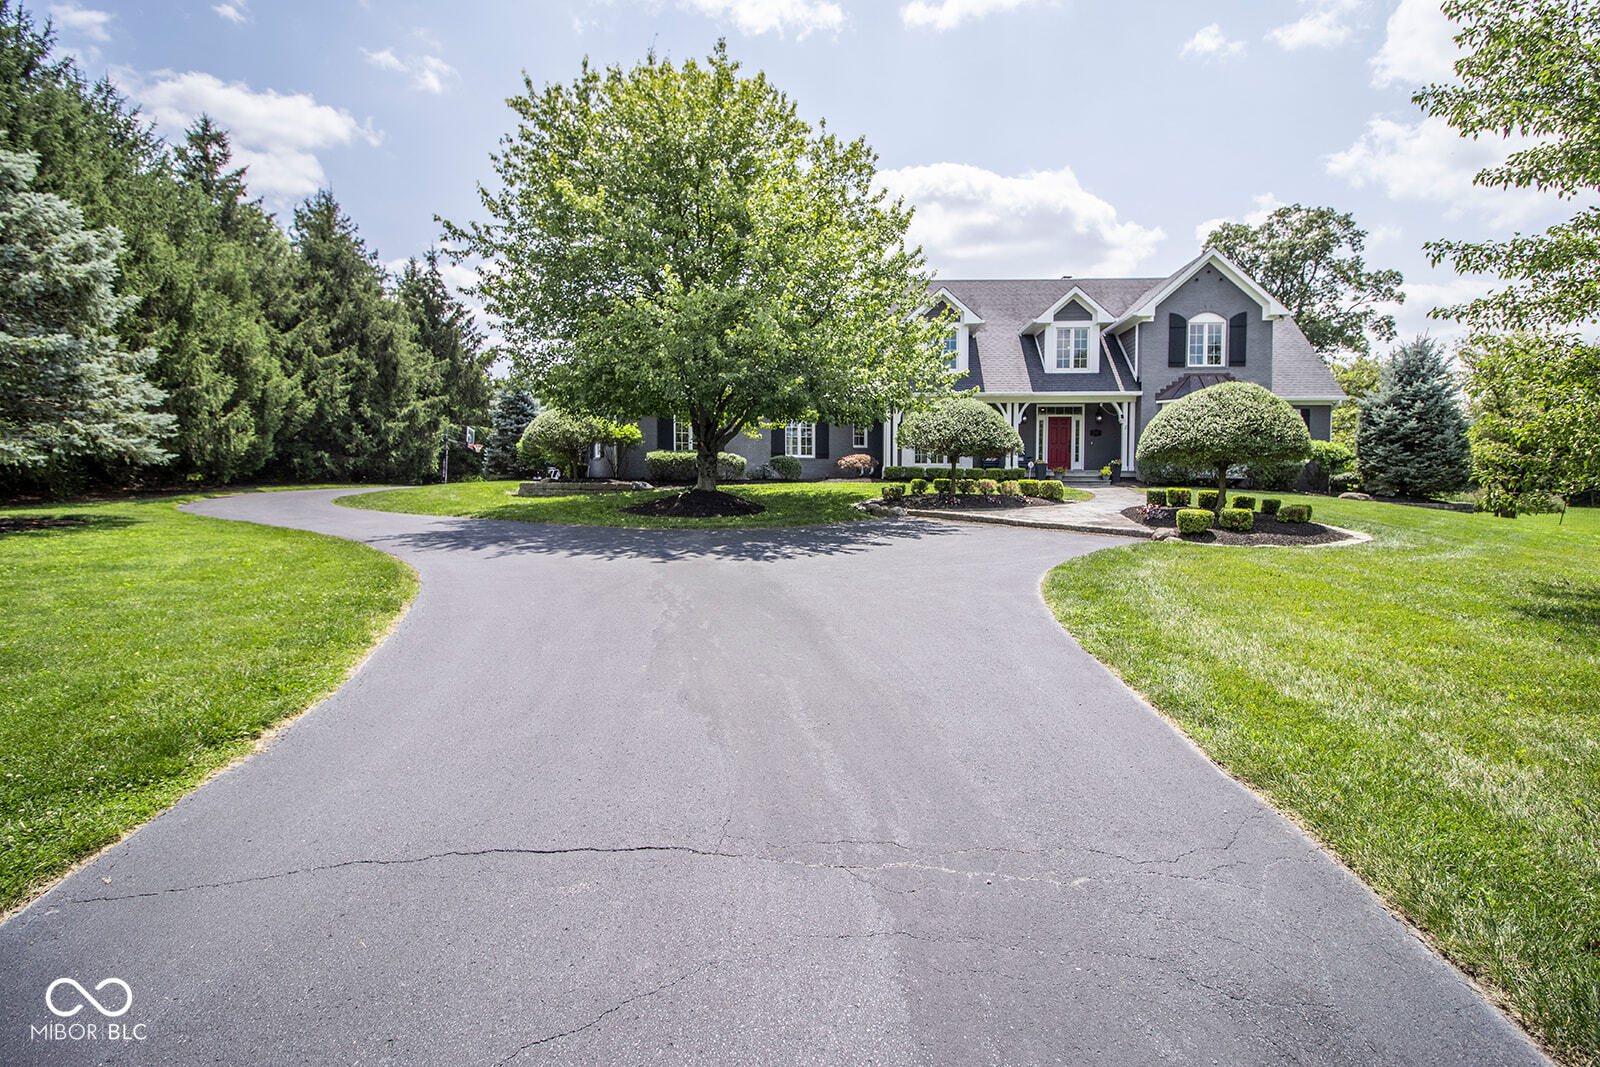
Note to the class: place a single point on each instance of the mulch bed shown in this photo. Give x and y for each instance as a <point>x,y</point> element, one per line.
<point>697,504</point>
<point>969,502</point>
<point>35,522</point>
<point>1268,530</point>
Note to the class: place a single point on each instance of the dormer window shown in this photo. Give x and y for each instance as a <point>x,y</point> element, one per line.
<point>950,349</point>
<point>1072,348</point>
<point>1207,340</point>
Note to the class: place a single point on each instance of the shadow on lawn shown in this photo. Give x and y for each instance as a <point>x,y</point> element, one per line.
<point>1571,604</point>
<point>52,525</point>
<point>498,537</point>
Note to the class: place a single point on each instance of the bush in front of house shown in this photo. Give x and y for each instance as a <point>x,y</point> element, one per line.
<point>1246,502</point>
<point>1222,426</point>
<point>1209,499</point>
<point>1348,482</point>
<point>893,492</point>
<point>960,426</point>
<point>788,467</point>
<point>1274,475</point>
<point>1030,486</point>
<point>1294,513</point>
<point>1240,519</point>
<point>941,485</point>
<point>1158,497</point>
<point>987,486</point>
<point>1270,505</point>
<point>665,466</point>
<point>557,438</point>
<point>894,474</point>
<point>1053,491</point>
<point>1010,489</point>
<point>855,465</point>
<point>1194,520</point>
<point>919,486</point>
<point>1178,498</point>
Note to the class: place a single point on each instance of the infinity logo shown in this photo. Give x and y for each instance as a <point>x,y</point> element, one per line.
<point>49,995</point>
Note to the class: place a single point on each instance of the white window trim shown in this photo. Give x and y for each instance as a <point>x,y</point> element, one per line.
<point>1206,319</point>
<point>858,437</point>
<point>1048,341</point>
<point>792,440</point>
<point>682,431</point>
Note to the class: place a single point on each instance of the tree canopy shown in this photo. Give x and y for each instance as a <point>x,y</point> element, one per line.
<point>1529,69</point>
<point>1222,426</point>
<point>674,241</point>
<point>960,426</point>
<point>1311,259</point>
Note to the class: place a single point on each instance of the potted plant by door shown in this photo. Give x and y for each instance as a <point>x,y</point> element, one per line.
<point>1115,466</point>
<point>1105,474</point>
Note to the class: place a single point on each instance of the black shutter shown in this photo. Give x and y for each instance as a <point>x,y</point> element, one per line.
<point>777,441</point>
<point>1177,340</point>
<point>664,439</point>
<point>875,440</point>
<point>1236,331</point>
<point>821,438</point>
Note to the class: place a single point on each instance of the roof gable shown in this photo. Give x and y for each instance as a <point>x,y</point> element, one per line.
<point>1144,308</point>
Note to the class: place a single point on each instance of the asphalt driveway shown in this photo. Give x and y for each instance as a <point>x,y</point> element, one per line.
<point>845,795</point>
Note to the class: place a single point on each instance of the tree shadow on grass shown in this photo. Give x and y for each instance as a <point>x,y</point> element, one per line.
<point>1574,605</point>
<point>55,525</point>
<point>495,537</point>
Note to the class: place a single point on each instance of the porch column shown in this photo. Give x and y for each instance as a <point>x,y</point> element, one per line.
<point>1013,413</point>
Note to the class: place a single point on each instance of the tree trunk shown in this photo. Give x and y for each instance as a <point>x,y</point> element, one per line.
<point>1222,490</point>
<point>706,472</point>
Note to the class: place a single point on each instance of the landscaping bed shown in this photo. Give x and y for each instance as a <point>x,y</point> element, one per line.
<point>1268,530</point>
<point>697,504</point>
<point>969,501</point>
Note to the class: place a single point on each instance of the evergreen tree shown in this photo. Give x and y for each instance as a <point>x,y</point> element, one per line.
<point>450,340</point>
<point>513,409</point>
<point>364,409</point>
<point>1412,438</point>
<point>67,387</point>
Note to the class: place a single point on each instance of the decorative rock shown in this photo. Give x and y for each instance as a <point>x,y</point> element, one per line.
<point>1165,535</point>
<point>1355,496</point>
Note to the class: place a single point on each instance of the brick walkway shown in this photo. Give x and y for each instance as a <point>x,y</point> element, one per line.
<point>1102,515</point>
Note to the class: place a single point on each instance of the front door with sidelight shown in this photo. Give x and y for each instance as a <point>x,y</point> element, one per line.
<point>1063,446</point>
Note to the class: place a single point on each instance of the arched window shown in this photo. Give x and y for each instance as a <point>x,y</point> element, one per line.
<point>1208,338</point>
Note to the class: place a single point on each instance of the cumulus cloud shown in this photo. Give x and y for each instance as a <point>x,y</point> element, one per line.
<point>1324,24</point>
<point>276,135</point>
<point>428,73</point>
<point>235,11</point>
<point>1210,42</point>
<point>1429,161</point>
<point>1419,46</point>
<point>1265,204</point>
<point>974,222</point>
<point>800,17</point>
<point>86,21</point>
<point>944,15</point>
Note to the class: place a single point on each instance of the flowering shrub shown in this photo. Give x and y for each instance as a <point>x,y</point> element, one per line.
<point>857,464</point>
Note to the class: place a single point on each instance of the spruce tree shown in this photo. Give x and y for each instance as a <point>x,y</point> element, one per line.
<point>68,389</point>
<point>450,340</point>
<point>1412,438</point>
<point>513,409</point>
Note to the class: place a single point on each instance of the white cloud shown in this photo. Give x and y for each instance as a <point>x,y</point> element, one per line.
<point>974,222</point>
<point>87,21</point>
<point>944,15</point>
<point>235,11</point>
<point>1429,161</point>
<point>428,73</point>
<point>1418,48</point>
<point>1265,204</point>
<point>276,135</point>
<point>780,16</point>
<point>1324,24</point>
<point>1210,41</point>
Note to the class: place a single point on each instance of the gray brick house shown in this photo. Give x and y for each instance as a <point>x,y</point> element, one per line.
<point>1081,365</point>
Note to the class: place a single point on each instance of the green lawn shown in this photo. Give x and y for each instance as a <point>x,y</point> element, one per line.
<point>788,504</point>
<point>146,648</point>
<point>1429,704</point>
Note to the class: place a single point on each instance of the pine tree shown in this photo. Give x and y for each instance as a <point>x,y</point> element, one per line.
<point>1412,438</point>
<point>67,387</point>
<point>513,409</point>
<point>450,339</point>
<point>364,408</point>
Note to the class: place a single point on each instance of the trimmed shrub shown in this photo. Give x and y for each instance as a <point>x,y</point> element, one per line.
<point>1240,519</point>
<point>893,492</point>
<point>987,486</point>
<point>919,486</point>
<point>1030,486</point>
<point>1222,426</point>
<point>1347,482</point>
<point>1294,513</point>
<point>1246,502</point>
<point>1010,489</point>
<point>959,426</point>
<point>1158,497</point>
<point>1270,505</point>
<point>895,474</point>
<point>730,466</point>
<point>1052,491</point>
<point>1274,475</point>
<point>666,466</point>
<point>1208,499</point>
<point>941,485</point>
<point>788,467</point>
<point>1194,520</point>
<point>559,439</point>
<point>966,485</point>
<point>1178,498</point>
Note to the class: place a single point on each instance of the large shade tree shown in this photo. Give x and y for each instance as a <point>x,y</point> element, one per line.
<point>960,426</point>
<point>674,241</point>
<point>1223,426</point>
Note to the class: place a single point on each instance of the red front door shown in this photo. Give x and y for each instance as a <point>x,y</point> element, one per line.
<point>1058,444</point>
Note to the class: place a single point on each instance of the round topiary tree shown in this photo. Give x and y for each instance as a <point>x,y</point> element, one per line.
<point>960,426</point>
<point>559,438</point>
<point>1221,426</point>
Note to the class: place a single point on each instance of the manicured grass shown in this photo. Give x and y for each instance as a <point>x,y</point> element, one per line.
<point>1428,704</point>
<point>788,504</point>
<point>145,648</point>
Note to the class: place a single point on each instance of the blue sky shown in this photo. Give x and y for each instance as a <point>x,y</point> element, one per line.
<point>1036,137</point>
